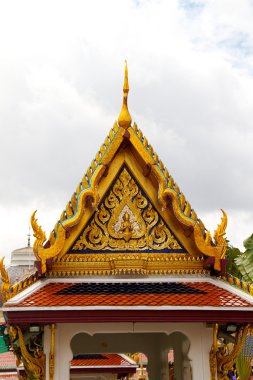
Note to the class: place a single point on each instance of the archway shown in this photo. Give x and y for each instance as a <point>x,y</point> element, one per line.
<point>156,347</point>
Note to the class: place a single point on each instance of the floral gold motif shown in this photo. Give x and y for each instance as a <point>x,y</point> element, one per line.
<point>126,221</point>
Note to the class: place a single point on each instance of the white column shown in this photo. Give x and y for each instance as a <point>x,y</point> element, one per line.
<point>201,341</point>
<point>63,354</point>
<point>46,346</point>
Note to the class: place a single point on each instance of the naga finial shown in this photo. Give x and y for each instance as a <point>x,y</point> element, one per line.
<point>124,119</point>
<point>38,233</point>
<point>220,232</point>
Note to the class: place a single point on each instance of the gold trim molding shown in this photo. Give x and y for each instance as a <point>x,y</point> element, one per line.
<point>138,263</point>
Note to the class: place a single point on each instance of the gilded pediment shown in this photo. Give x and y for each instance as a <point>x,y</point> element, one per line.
<point>128,215</point>
<point>126,221</point>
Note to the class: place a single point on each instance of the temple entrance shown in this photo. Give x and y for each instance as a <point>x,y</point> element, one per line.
<point>159,348</point>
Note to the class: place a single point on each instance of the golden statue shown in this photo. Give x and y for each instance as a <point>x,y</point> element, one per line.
<point>126,227</point>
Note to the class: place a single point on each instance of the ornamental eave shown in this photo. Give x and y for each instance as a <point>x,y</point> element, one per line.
<point>132,316</point>
<point>181,294</point>
<point>69,309</point>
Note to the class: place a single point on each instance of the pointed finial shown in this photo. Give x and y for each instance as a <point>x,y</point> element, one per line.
<point>29,238</point>
<point>124,119</point>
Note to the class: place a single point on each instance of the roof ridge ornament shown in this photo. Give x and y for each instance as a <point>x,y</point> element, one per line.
<point>124,119</point>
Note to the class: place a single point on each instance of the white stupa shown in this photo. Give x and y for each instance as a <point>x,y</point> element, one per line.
<point>22,262</point>
<point>23,257</point>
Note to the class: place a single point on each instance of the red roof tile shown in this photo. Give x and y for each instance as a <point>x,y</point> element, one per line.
<point>102,360</point>
<point>196,294</point>
<point>7,360</point>
<point>4,376</point>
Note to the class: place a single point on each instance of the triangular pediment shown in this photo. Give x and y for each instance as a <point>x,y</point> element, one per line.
<point>128,215</point>
<point>126,221</point>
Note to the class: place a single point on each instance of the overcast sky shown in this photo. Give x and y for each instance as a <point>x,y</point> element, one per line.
<point>191,92</point>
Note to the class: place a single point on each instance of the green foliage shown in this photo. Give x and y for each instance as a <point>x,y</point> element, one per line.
<point>243,367</point>
<point>4,339</point>
<point>232,254</point>
<point>245,260</point>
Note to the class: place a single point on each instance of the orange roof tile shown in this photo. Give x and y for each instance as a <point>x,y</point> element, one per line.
<point>101,360</point>
<point>132,294</point>
<point>7,360</point>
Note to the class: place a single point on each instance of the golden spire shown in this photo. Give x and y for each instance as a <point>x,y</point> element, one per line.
<point>124,119</point>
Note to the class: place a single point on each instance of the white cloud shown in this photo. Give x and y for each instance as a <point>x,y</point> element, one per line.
<point>190,72</point>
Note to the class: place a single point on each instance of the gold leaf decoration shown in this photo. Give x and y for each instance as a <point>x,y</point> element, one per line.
<point>220,232</point>
<point>69,210</point>
<point>38,233</point>
<point>6,282</point>
<point>126,221</point>
<point>73,202</point>
<point>34,365</point>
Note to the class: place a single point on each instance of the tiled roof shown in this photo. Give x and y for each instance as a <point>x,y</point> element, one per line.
<point>101,360</point>
<point>4,376</point>
<point>129,294</point>
<point>7,360</point>
<point>16,274</point>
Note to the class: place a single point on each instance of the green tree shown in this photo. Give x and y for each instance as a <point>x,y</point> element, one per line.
<point>231,255</point>
<point>244,261</point>
<point>243,367</point>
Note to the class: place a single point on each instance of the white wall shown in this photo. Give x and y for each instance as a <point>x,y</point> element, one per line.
<point>154,345</point>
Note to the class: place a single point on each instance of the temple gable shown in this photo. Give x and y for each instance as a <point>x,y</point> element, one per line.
<point>126,221</point>
<point>128,215</point>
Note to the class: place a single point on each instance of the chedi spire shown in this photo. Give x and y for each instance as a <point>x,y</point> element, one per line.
<point>124,119</point>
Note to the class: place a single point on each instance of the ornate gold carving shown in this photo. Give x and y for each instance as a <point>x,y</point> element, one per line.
<point>34,364</point>
<point>23,284</point>
<point>131,263</point>
<point>6,282</point>
<point>40,252</point>
<point>124,119</point>
<point>181,207</point>
<point>168,190</point>
<point>225,359</point>
<point>219,234</point>
<point>7,290</point>
<point>126,220</point>
<point>222,358</point>
<point>244,286</point>
<point>51,357</point>
<point>217,250</point>
<point>213,352</point>
<point>38,233</point>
